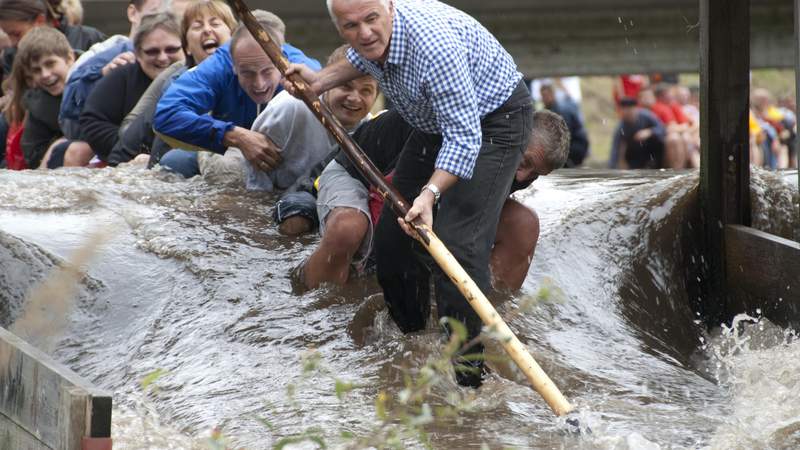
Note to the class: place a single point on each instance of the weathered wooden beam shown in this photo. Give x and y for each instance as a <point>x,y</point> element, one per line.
<point>49,402</point>
<point>14,437</point>
<point>724,113</point>
<point>797,79</point>
<point>551,37</point>
<point>763,274</point>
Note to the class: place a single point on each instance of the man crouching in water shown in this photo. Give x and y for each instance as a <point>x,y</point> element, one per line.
<point>348,211</point>
<point>304,142</point>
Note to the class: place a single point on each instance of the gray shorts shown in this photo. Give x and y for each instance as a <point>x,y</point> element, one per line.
<point>337,189</point>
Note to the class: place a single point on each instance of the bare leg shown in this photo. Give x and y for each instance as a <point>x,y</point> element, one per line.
<point>514,245</point>
<point>345,229</point>
<point>674,151</point>
<point>295,226</point>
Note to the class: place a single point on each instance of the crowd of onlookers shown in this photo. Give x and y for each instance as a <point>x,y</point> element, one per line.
<point>71,96</point>
<point>658,123</point>
<point>70,93</point>
<point>190,90</point>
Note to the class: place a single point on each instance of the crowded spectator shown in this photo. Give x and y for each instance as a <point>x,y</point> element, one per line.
<point>233,84</point>
<point>779,126</point>
<point>787,107</point>
<point>758,140</point>
<point>658,101</point>
<point>683,97</point>
<point>17,17</point>
<point>568,109</point>
<point>5,41</point>
<point>628,86</point>
<point>13,116</point>
<point>638,141</point>
<point>206,25</point>
<point>564,87</point>
<point>178,7</point>
<point>683,104</point>
<point>97,62</point>
<point>73,11</point>
<point>676,152</point>
<point>45,55</point>
<point>304,142</point>
<point>157,44</point>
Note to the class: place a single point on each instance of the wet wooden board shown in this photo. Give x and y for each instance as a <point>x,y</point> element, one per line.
<point>13,437</point>
<point>797,72</point>
<point>766,269</point>
<point>724,136</point>
<point>47,400</point>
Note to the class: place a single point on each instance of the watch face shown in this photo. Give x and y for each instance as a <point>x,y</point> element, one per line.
<point>434,190</point>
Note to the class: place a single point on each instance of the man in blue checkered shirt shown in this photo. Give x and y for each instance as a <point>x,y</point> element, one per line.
<point>461,91</point>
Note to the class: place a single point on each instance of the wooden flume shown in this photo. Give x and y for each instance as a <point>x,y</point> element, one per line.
<point>488,314</point>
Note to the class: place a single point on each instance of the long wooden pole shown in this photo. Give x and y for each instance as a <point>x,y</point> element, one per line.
<point>538,378</point>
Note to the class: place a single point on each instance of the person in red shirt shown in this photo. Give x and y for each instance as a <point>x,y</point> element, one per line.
<point>676,145</point>
<point>628,86</point>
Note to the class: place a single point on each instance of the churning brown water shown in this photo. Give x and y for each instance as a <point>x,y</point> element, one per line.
<point>195,282</point>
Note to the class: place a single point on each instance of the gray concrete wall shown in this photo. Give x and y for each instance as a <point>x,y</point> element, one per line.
<point>552,37</point>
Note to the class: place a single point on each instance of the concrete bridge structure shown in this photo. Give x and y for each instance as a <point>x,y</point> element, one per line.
<point>553,37</point>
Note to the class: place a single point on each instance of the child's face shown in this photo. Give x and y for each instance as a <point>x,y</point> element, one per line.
<point>50,73</point>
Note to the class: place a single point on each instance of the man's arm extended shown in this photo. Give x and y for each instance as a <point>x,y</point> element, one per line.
<point>329,77</point>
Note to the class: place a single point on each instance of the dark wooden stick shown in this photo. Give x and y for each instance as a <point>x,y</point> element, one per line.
<point>538,378</point>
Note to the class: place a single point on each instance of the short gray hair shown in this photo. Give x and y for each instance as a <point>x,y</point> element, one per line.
<point>385,4</point>
<point>273,25</point>
<point>550,131</point>
<point>163,20</point>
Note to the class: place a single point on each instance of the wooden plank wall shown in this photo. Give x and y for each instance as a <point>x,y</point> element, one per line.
<point>763,273</point>
<point>50,402</point>
<point>724,136</point>
<point>797,77</point>
<point>14,437</point>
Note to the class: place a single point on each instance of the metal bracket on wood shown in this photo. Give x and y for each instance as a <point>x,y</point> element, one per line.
<point>96,444</point>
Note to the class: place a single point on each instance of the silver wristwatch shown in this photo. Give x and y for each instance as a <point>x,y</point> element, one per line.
<point>434,190</point>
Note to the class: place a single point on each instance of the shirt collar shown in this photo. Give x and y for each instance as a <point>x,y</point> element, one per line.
<point>397,44</point>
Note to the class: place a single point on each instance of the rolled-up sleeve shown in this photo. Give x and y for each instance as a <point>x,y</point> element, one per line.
<point>355,60</point>
<point>455,104</point>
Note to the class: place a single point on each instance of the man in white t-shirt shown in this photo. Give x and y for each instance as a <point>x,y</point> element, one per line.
<point>304,142</point>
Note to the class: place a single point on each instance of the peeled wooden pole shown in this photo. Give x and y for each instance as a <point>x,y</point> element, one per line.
<point>538,378</point>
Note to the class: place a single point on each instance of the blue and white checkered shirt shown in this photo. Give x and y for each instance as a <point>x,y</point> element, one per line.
<point>444,73</point>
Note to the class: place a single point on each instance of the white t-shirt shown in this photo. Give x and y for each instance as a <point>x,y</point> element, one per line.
<point>301,138</point>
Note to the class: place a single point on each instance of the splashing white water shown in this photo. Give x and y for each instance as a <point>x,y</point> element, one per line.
<point>757,363</point>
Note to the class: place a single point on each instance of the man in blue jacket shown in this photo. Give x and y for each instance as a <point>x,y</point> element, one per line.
<point>213,106</point>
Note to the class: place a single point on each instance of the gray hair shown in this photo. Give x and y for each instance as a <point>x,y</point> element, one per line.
<point>551,133</point>
<point>155,21</point>
<point>273,25</point>
<point>385,4</point>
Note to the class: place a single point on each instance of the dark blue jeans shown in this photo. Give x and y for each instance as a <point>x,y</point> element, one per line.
<point>465,220</point>
<point>182,162</point>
